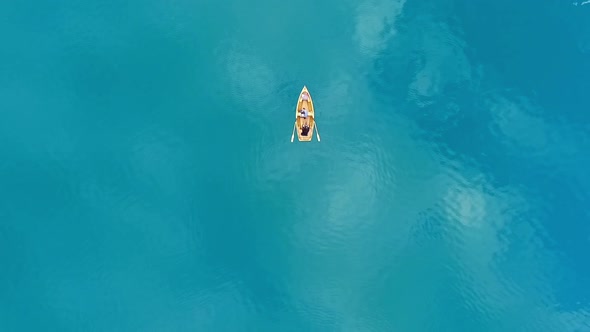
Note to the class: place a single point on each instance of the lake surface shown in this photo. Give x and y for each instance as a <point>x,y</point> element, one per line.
<point>148,181</point>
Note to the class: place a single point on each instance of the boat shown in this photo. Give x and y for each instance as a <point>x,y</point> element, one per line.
<point>305,126</point>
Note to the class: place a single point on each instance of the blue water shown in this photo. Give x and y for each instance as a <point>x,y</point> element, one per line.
<point>148,181</point>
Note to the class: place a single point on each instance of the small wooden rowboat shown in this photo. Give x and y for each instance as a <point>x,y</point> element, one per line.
<point>305,124</point>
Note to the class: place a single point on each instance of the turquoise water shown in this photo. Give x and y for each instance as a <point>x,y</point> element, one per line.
<point>149,183</point>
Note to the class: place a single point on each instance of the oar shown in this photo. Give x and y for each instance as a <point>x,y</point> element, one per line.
<point>316,131</point>
<point>293,134</point>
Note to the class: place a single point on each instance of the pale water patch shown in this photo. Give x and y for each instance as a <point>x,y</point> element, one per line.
<point>358,206</point>
<point>505,270</point>
<point>516,122</point>
<point>480,210</point>
<point>466,205</point>
<point>444,62</point>
<point>343,215</point>
<point>375,23</point>
<point>252,81</point>
<point>353,199</point>
<point>337,96</point>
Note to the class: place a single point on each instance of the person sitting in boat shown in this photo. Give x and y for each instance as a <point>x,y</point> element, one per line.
<point>304,113</point>
<point>305,130</point>
<point>305,96</point>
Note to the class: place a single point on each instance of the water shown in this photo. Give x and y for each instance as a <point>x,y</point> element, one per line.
<point>148,182</point>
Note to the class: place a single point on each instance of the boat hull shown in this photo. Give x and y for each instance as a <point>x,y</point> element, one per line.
<point>310,120</point>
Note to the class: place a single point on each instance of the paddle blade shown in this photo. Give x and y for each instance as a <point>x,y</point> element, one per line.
<point>317,132</point>
<point>293,133</point>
